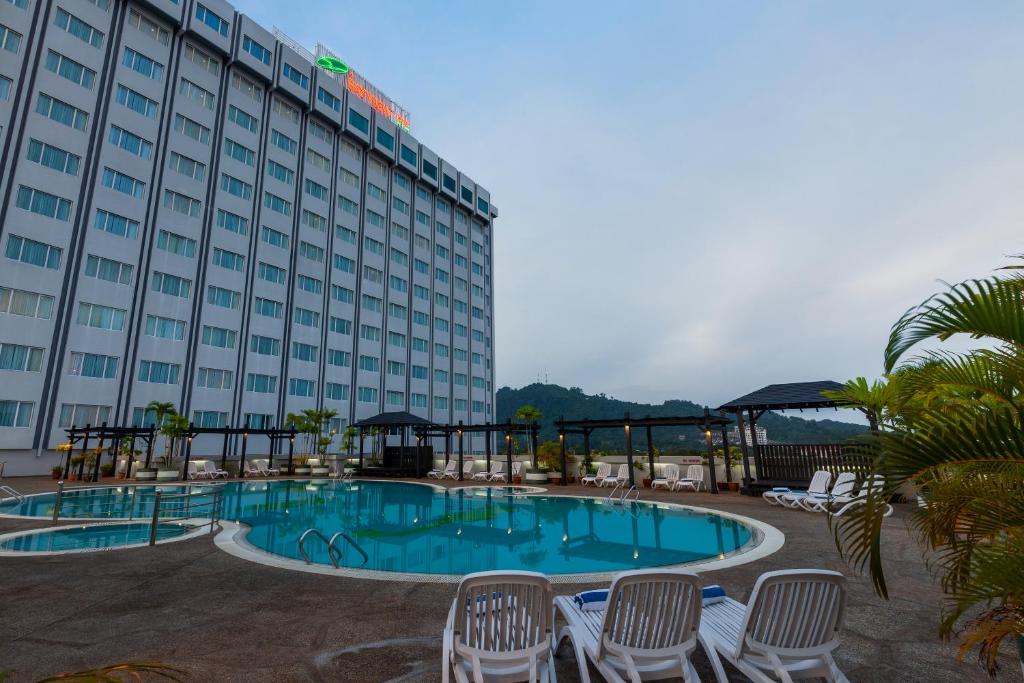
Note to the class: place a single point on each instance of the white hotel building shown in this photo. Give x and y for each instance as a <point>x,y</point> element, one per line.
<point>192,211</point>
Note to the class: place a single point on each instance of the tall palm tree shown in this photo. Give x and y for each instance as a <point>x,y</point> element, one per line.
<point>531,416</point>
<point>161,411</point>
<point>956,432</point>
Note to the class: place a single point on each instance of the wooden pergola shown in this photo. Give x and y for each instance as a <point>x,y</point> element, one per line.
<point>705,422</point>
<point>459,430</point>
<point>275,434</point>
<point>103,433</point>
<point>402,421</point>
<point>786,464</point>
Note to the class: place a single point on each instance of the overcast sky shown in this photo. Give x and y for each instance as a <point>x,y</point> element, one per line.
<point>698,199</point>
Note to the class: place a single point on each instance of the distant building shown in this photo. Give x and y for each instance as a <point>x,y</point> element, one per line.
<point>734,435</point>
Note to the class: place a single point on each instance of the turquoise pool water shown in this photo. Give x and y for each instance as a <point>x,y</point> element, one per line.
<point>91,537</point>
<point>406,527</point>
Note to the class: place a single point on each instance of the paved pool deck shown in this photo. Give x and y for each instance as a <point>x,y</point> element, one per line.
<point>221,618</point>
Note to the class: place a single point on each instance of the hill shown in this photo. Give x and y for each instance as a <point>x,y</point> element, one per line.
<point>556,401</point>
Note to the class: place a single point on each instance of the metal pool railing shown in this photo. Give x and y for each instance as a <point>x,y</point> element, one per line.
<point>205,501</point>
<point>333,553</point>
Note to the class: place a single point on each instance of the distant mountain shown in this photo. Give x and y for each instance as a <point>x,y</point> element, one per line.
<point>556,401</point>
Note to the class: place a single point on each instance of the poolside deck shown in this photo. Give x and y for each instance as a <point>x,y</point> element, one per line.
<point>221,618</point>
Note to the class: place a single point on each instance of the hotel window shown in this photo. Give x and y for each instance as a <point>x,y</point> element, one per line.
<point>402,181</point>
<point>219,337</point>
<point>342,295</point>
<point>348,177</point>
<point>156,372</point>
<point>271,273</point>
<point>209,419</point>
<point>395,398</point>
<point>440,403</point>
<point>400,231</point>
<point>336,392</point>
<point>311,252</point>
<point>225,298</point>
<point>23,302</point>
<point>69,69</point>
<point>418,400</point>
<point>408,155</point>
<point>282,173</point>
<point>261,384</point>
<point>192,129</point>
<point>376,192</point>
<point>429,169</point>
<point>108,269</point>
<point>372,304</point>
<point>116,225</point>
<point>274,238</point>
<point>166,328</point>
<point>278,204</point>
<point>93,365</point>
<point>395,368</point>
<point>172,285</point>
<point>421,318</point>
<point>341,359</point>
<point>341,326</point>
<point>318,130</point>
<point>235,186</point>
<point>16,413</point>
<point>308,284</point>
<point>285,110</point>
<point>421,292</point>
<point>371,274</point>
<point>345,265</point>
<point>301,387</point>
<point>10,39</point>
<point>182,203</point>
<point>53,157</point>
<point>369,363</point>
<point>20,358</point>
<point>228,260</point>
<point>385,139</point>
<point>369,333</point>
<point>32,252</point>
<point>130,142</point>
<point>400,205</point>
<point>316,190</point>
<point>328,99</point>
<point>351,150</point>
<point>256,50</point>
<point>358,121</point>
<point>212,20</point>
<point>148,27</point>
<point>441,376</point>
<point>295,76</point>
<point>232,222</point>
<point>317,160</point>
<point>142,64</point>
<point>441,350</point>
<point>419,372</point>
<point>201,59</point>
<point>345,235</point>
<point>348,206</point>
<point>246,87</point>
<point>367,395</point>
<point>246,121</point>
<point>305,352</point>
<point>176,244</point>
<point>78,28</point>
<point>5,88</point>
<point>61,112</point>
<point>121,182</point>
<point>467,194</point>
<point>375,219</point>
<point>82,414</point>
<point>188,89</point>
<point>137,102</point>
<point>441,325</point>
<point>448,182</point>
<point>399,257</point>
<point>239,152</point>
<point>282,141</point>
<point>373,246</point>
<point>264,346</point>
<point>306,317</point>
<point>421,345</point>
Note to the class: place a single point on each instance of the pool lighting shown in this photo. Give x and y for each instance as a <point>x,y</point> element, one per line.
<point>636,554</point>
<point>565,538</point>
<point>509,531</point>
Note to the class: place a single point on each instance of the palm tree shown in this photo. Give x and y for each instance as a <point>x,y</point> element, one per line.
<point>175,427</point>
<point>530,416</point>
<point>161,411</point>
<point>952,425</point>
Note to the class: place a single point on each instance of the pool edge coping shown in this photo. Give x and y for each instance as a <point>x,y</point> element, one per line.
<point>201,528</point>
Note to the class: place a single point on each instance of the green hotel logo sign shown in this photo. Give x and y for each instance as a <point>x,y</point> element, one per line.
<point>332,64</point>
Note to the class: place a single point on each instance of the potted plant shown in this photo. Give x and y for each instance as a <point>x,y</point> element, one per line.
<point>535,475</point>
<point>640,468</point>
<point>174,428</point>
<point>549,457</point>
<point>56,471</point>
<point>107,469</point>
<point>302,467</point>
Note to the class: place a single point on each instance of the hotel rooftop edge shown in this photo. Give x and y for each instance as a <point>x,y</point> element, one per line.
<point>192,212</point>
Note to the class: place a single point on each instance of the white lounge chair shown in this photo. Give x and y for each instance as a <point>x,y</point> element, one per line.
<point>874,482</point>
<point>251,470</point>
<point>467,470</point>
<point>450,469</point>
<point>213,471</point>
<point>486,475</point>
<point>787,630</point>
<point>500,628</point>
<point>694,479</point>
<point>621,476</point>
<point>842,490</point>
<point>196,471</point>
<point>819,484</point>
<point>263,465</point>
<point>603,470</point>
<point>670,475</point>
<point>819,487</point>
<point>648,629</point>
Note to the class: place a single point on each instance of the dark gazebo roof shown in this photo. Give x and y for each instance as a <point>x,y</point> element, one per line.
<point>783,396</point>
<point>398,418</point>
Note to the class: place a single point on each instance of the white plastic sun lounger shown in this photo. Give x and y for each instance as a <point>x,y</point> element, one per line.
<point>603,470</point>
<point>251,470</point>
<point>874,482</point>
<point>213,471</point>
<point>450,468</point>
<point>485,475</point>
<point>668,481</point>
<point>648,629</point>
<point>842,491</point>
<point>263,465</point>
<point>500,628</point>
<point>819,484</point>
<point>792,499</point>
<point>197,472</point>
<point>693,480</point>
<point>786,631</point>
<point>620,477</point>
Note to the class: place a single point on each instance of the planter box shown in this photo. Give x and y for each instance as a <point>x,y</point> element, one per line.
<point>320,471</point>
<point>517,480</point>
<point>303,470</point>
<point>146,474</point>
<point>167,474</point>
<point>555,478</point>
<point>535,477</point>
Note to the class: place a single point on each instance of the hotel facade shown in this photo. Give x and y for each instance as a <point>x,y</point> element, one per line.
<point>196,210</point>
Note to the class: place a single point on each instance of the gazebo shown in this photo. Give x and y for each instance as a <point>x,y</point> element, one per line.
<point>402,460</point>
<point>787,464</point>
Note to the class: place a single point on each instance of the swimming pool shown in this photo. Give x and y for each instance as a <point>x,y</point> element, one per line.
<point>89,537</point>
<point>410,528</point>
